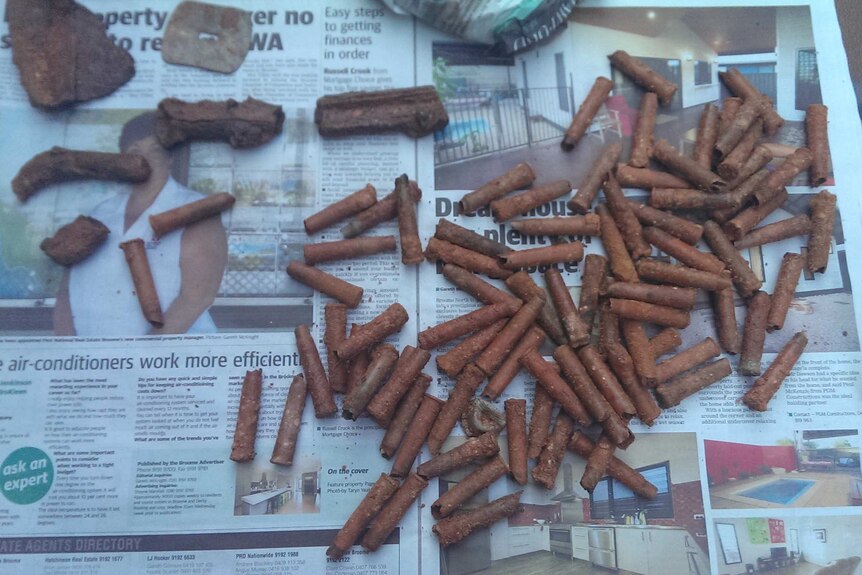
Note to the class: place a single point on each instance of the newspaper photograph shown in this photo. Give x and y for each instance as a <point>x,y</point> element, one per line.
<point>608,366</point>
<point>788,542</point>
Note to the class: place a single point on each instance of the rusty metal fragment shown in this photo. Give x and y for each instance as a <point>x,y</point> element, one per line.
<point>480,416</point>
<point>413,111</point>
<point>244,124</point>
<point>59,165</point>
<point>63,53</point>
<point>215,38</point>
<point>75,241</point>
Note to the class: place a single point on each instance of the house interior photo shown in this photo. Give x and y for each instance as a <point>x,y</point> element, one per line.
<point>825,545</point>
<point>816,468</point>
<point>509,109</point>
<point>266,489</point>
<point>571,532</point>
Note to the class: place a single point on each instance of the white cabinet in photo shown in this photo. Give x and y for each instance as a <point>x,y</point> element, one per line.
<point>580,543</point>
<point>632,550</point>
<point>669,551</point>
<point>653,551</point>
<point>542,538</point>
<point>527,539</point>
<point>520,540</point>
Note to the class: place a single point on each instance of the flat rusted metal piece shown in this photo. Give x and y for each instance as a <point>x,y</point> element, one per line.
<point>206,36</point>
<point>63,53</point>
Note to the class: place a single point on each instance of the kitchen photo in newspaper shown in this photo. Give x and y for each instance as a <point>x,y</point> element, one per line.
<point>599,318</point>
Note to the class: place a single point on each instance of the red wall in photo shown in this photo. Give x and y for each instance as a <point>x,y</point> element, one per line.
<point>726,460</point>
<point>628,116</point>
<point>531,512</point>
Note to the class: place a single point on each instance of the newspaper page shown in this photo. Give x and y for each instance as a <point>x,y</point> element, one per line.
<point>739,491</point>
<point>114,440</point>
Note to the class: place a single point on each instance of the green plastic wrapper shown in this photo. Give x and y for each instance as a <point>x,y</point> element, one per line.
<point>515,25</point>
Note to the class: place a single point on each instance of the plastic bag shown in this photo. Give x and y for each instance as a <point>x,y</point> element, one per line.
<point>513,24</point>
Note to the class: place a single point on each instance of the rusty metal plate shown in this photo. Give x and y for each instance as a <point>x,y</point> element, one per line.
<point>205,36</point>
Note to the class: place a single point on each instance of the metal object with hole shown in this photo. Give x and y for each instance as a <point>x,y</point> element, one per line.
<point>205,36</point>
